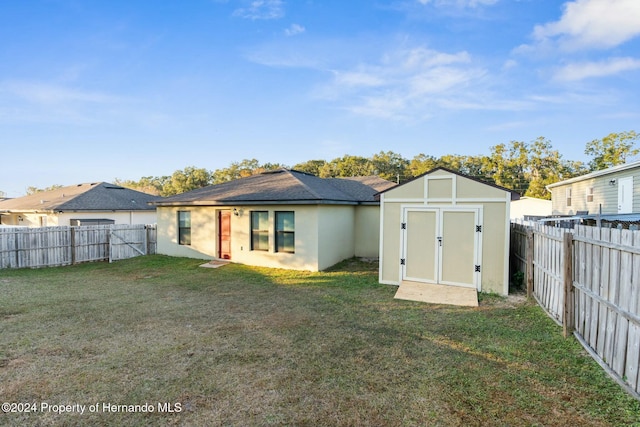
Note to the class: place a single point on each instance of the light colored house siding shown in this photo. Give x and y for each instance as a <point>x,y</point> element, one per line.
<point>605,193</point>
<point>131,217</point>
<point>367,231</point>
<point>203,232</point>
<point>306,240</point>
<point>54,219</point>
<point>324,234</point>
<point>336,234</point>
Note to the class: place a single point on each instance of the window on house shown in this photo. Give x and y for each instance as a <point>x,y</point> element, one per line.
<point>285,232</point>
<point>568,196</point>
<point>184,227</point>
<point>589,194</point>
<point>259,231</point>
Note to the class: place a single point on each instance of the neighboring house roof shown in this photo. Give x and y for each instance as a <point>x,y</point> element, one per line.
<point>283,186</point>
<point>614,169</point>
<point>100,196</point>
<point>514,195</point>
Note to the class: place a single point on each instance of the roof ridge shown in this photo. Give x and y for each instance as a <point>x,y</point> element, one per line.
<point>309,189</point>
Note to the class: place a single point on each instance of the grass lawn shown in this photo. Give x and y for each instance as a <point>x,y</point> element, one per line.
<point>244,346</point>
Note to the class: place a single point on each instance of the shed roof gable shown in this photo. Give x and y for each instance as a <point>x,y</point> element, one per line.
<point>441,171</point>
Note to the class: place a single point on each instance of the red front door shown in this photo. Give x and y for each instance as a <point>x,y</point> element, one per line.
<point>224,234</point>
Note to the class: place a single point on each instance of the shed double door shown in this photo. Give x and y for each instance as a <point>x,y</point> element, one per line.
<point>442,245</point>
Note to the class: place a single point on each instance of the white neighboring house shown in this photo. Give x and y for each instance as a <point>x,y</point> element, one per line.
<point>529,206</point>
<point>82,204</point>
<point>615,190</point>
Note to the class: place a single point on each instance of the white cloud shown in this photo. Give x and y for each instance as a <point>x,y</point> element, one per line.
<point>261,9</point>
<point>358,78</point>
<point>406,84</point>
<point>294,29</point>
<point>584,70</point>
<point>589,24</point>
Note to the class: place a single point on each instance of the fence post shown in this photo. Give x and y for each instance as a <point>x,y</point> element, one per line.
<point>109,242</point>
<point>529,267</point>
<point>568,319</point>
<point>73,245</point>
<point>147,243</point>
<point>17,243</point>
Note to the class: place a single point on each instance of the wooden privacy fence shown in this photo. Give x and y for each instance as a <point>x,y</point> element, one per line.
<point>588,280</point>
<point>64,245</point>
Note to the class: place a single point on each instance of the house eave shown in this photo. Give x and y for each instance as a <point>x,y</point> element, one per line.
<point>257,203</point>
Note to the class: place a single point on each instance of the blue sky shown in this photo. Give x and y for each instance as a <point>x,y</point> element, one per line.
<point>98,90</point>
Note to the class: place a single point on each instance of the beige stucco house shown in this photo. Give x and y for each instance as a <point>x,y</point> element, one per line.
<point>448,229</point>
<point>616,190</point>
<point>283,218</point>
<point>82,204</point>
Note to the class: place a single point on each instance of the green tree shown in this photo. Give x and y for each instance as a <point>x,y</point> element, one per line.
<point>34,190</point>
<point>243,169</point>
<point>469,165</point>
<point>612,150</point>
<point>190,178</point>
<point>506,166</point>
<point>421,164</point>
<point>311,166</point>
<point>544,167</point>
<point>347,166</point>
<point>390,166</point>
<point>146,184</point>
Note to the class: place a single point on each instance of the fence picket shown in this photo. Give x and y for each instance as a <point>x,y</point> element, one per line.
<point>612,316</point>
<point>605,235</point>
<point>633,346</point>
<point>55,246</point>
<point>606,292</point>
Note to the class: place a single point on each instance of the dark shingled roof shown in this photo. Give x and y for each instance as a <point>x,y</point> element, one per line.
<point>283,186</point>
<point>100,196</point>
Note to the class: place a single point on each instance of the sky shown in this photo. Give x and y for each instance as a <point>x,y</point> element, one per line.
<point>98,90</point>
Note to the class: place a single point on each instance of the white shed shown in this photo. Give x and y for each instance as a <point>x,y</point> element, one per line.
<point>447,229</point>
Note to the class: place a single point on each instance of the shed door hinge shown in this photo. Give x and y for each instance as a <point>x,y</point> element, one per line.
<point>402,261</point>
<point>403,225</point>
<point>478,229</point>
<point>477,269</point>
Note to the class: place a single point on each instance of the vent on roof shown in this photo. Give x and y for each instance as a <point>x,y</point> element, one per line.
<point>115,187</point>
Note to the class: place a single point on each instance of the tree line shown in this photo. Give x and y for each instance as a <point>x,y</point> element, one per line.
<point>526,168</point>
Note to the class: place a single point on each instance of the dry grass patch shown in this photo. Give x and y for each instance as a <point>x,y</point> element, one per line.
<point>247,346</point>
